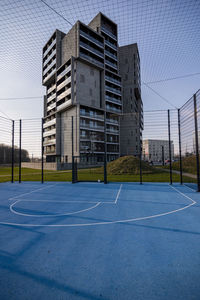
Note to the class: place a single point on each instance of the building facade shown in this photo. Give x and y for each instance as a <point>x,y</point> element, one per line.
<point>131,122</point>
<point>157,150</point>
<point>83,100</point>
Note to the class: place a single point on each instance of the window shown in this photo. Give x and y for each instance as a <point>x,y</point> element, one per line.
<point>90,92</point>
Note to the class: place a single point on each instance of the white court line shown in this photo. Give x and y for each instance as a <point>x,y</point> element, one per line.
<point>56,215</point>
<point>43,188</point>
<point>118,193</point>
<point>107,222</point>
<point>183,194</point>
<point>66,201</point>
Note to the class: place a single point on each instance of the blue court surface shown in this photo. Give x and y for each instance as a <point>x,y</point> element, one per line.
<point>95,241</point>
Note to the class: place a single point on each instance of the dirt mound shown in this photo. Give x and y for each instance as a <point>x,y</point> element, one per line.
<point>128,165</point>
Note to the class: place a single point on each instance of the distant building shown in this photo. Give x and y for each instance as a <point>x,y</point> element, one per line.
<point>152,150</point>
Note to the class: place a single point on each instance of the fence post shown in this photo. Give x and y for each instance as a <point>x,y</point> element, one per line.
<point>170,154</point>
<point>105,150</point>
<point>13,149</point>
<point>42,148</point>
<point>20,149</point>
<point>140,153</point>
<point>163,155</point>
<point>180,154</point>
<point>72,140</point>
<point>196,142</point>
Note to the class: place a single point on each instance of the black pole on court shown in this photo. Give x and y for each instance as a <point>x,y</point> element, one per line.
<point>105,151</point>
<point>72,141</point>
<point>42,151</point>
<point>170,154</point>
<point>20,150</point>
<point>163,156</point>
<point>140,153</point>
<point>13,151</point>
<point>196,142</point>
<point>180,150</point>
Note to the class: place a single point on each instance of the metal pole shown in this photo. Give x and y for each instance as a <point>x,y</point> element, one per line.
<point>72,140</point>
<point>180,154</point>
<point>13,147</point>
<point>105,150</point>
<point>20,149</point>
<point>196,142</point>
<point>163,156</point>
<point>140,161</point>
<point>42,148</point>
<point>170,154</point>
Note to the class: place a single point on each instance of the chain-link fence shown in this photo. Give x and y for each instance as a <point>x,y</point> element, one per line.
<point>95,147</point>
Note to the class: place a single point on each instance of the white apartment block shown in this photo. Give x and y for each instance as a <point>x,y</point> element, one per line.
<point>153,150</point>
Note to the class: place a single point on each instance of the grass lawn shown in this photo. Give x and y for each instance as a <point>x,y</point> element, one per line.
<point>87,175</point>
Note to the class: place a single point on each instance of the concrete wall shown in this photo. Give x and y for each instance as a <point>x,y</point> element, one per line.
<point>95,23</point>
<point>66,133</point>
<point>130,122</point>
<point>69,44</point>
<point>88,85</point>
<point>59,36</point>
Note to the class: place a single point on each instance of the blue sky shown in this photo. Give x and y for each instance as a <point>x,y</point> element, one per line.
<point>167,33</point>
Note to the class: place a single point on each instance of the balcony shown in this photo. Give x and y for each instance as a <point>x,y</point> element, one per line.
<point>49,123</point>
<point>49,142</point>
<point>111,55</point>
<point>111,45</point>
<point>59,76</point>
<point>113,109</point>
<point>49,57</point>
<point>93,60</point>
<point>91,39</point>
<point>51,89</point>
<point>64,94</point>
<point>87,138</point>
<point>64,105</point>
<point>111,130</point>
<point>51,98</point>
<point>95,128</point>
<point>51,106</point>
<point>49,132</point>
<point>112,121</point>
<point>113,143</point>
<point>50,74</point>
<point>105,30</point>
<point>89,48</point>
<point>65,82</point>
<point>49,66</point>
<point>113,80</point>
<point>113,90</point>
<point>49,47</point>
<point>90,116</point>
<point>113,100</point>
<point>110,64</point>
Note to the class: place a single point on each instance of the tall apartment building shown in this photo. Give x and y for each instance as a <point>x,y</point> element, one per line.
<point>81,75</point>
